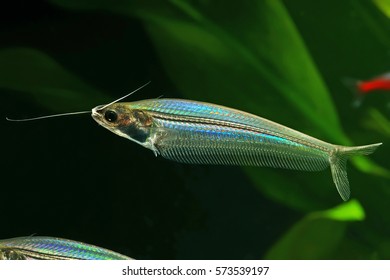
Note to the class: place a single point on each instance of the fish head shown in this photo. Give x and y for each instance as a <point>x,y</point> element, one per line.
<point>125,120</point>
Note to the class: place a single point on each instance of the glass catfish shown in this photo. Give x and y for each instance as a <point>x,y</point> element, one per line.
<point>202,133</point>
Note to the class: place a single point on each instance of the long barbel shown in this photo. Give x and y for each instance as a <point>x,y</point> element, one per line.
<point>203,133</point>
<point>53,248</point>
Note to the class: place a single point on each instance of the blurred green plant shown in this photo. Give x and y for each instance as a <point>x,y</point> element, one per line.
<point>384,6</point>
<point>322,227</point>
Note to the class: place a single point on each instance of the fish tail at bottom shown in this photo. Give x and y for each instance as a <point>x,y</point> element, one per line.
<point>338,163</point>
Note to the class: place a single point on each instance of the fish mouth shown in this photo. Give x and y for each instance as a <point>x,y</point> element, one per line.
<point>97,109</point>
<point>96,115</point>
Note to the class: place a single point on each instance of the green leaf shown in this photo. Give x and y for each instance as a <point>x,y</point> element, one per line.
<point>31,73</point>
<point>350,211</point>
<point>384,6</point>
<point>318,235</point>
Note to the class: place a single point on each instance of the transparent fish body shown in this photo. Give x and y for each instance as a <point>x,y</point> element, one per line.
<point>52,248</point>
<point>203,133</point>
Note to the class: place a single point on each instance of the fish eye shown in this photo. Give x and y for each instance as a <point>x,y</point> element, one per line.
<point>110,116</point>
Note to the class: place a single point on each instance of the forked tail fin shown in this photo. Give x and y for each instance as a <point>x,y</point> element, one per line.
<point>338,163</point>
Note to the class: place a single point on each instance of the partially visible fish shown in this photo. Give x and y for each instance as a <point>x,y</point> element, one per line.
<point>378,83</point>
<point>364,87</point>
<point>53,248</point>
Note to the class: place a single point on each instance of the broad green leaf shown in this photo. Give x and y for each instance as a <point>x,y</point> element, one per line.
<point>318,235</point>
<point>384,6</point>
<point>32,73</point>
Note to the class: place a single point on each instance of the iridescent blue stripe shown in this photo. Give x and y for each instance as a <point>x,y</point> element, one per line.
<point>194,109</point>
